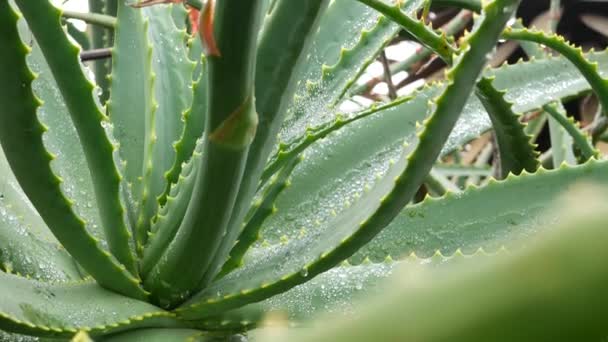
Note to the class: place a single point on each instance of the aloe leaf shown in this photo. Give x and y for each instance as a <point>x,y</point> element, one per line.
<point>516,151</point>
<point>61,310</point>
<point>579,138</point>
<point>26,246</point>
<point>338,55</point>
<point>357,154</point>
<point>503,211</point>
<point>287,33</point>
<point>231,123</point>
<point>79,36</point>
<point>131,103</point>
<point>301,260</point>
<point>418,29</point>
<point>61,140</point>
<point>573,54</point>
<point>195,53</point>
<point>337,291</point>
<point>259,212</point>
<point>561,142</point>
<point>173,70</point>
<point>193,128</point>
<point>62,57</point>
<point>19,123</point>
<point>160,335</point>
<point>170,217</point>
<point>529,289</point>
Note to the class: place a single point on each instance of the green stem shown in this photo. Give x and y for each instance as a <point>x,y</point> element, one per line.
<point>91,18</point>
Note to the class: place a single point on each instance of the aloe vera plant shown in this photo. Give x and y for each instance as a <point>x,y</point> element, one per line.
<point>208,184</point>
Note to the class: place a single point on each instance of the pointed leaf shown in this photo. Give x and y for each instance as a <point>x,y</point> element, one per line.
<point>26,245</point>
<point>31,163</point>
<point>172,71</point>
<point>516,151</point>
<point>36,308</point>
<point>297,262</point>
<point>63,59</point>
<point>529,289</point>
<point>487,217</point>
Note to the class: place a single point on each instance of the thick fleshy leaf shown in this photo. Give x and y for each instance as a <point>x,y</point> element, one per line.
<point>337,291</point>
<point>33,307</point>
<point>516,150</point>
<point>350,36</point>
<point>31,162</point>
<point>172,73</point>
<point>287,33</point>
<point>355,155</point>
<point>130,105</point>
<point>530,289</point>
<point>26,245</point>
<point>587,68</point>
<point>61,139</point>
<point>62,56</point>
<point>487,217</point>
<point>230,128</point>
<point>295,263</point>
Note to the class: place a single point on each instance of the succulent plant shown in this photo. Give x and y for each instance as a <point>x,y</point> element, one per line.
<point>211,183</point>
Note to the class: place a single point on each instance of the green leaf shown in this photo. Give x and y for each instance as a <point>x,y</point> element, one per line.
<point>355,155</point>
<point>423,34</point>
<point>487,217</point>
<point>26,246</point>
<point>337,291</point>
<point>579,138</point>
<point>575,55</point>
<point>286,35</point>
<point>63,59</point>
<point>170,217</point>
<point>530,289</point>
<point>61,140</point>
<point>516,151</point>
<point>36,308</point>
<point>31,163</point>
<point>349,38</point>
<point>561,142</point>
<point>193,128</point>
<point>303,259</point>
<point>261,209</point>
<point>172,69</point>
<point>231,123</point>
<point>131,102</point>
